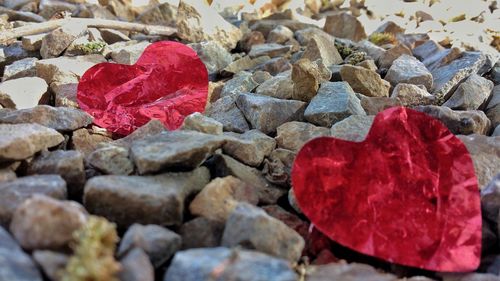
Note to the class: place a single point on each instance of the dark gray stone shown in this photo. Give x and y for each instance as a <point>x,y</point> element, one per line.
<point>250,147</point>
<point>201,233</point>
<point>226,112</point>
<point>271,50</point>
<point>459,122</point>
<point>21,68</point>
<point>135,266</point>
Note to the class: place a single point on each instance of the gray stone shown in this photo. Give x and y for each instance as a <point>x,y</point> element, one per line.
<point>111,36</point>
<point>495,74</point>
<point>334,102</point>
<point>345,271</point>
<point>218,199</point>
<point>266,25</point>
<point>158,199</point>
<point>244,265</point>
<point>469,277</point>
<point>353,128</point>
<point>225,111</point>
<point>495,98</point>
<point>293,135</point>
<point>135,266</point>
<point>278,166</point>
<point>55,42</point>
<point>52,263</point>
<point>213,55</point>
<point>496,133</point>
<point>280,35</point>
<point>14,263</point>
<point>304,35</point>
<point>16,191</point>
<point>471,94</point>
<point>374,105</point>
<point>386,60</point>
<point>129,54</point>
<point>58,118</point>
<point>280,86</point>
<point>86,141</point>
<point>158,243</point>
<point>427,50</point>
<point>111,160</point>
<point>50,7</point>
<point>344,25</point>
<point>260,76</point>
<point>162,14</point>
<point>250,147</point>
<point>407,69</point>
<point>374,51</point>
<point>32,42</point>
<point>203,124</point>
<point>34,221</point>
<point>251,227</point>
<point>13,52</point>
<point>20,141</point>
<point>459,122</point>
<point>245,63</point>
<point>240,83</point>
<point>173,149</point>
<point>201,233</point>
<point>306,77</point>
<point>19,69</point>
<point>151,128</point>
<point>322,47</point>
<point>266,113</point>
<point>66,69</point>
<point>23,93</point>
<point>269,49</point>
<point>365,81</point>
<point>368,64</point>
<point>412,95</point>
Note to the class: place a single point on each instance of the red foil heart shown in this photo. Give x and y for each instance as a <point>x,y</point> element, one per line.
<point>406,194</point>
<point>168,82</point>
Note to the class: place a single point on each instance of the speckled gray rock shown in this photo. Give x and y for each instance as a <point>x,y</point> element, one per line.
<point>111,160</point>
<point>250,147</point>
<point>322,47</point>
<point>58,118</point>
<point>280,86</point>
<point>266,113</point>
<point>471,94</point>
<point>250,226</point>
<point>213,55</point>
<point>345,25</point>
<point>16,191</point>
<point>293,135</point>
<point>203,124</point>
<point>201,233</point>
<point>412,95</point>
<point>225,111</point>
<point>19,69</point>
<point>52,263</point>
<point>14,263</point>
<point>173,149</point>
<point>344,271</point>
<point>353,128</point>
<point>34,221</point>
<point>407,69</point>
<point>365,81</point>
<point>270,49</point>
<point>157,242</point>
<point>20,141</point>
<point>244,265</point>
<point>334,102</point>
<point>240,83</point>
<point>135,266</point>
<point>158,199</point>
<point>459,122</point>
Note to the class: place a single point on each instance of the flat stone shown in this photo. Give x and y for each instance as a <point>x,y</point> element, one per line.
<point>304,35</point>
<point>269,49</point>
<point>407,69</point>
<point>16,191</point>
<point>213,55</point>
<point>23,93</point>
<point>58,118</point>
<point>345,271</point>
<point>306,77</point>
<point>13,52</point>
<point>485,152</point>
<point>495,98</point>
<point>218,199</point>
<point>197,22</point>
<point>278,166</point>
<point>365,81</point>
<point>158,243</point>
<point>334,102</point>
<point>344,25</point>
<point>471,94</point>
<point>52,263</point>
<point>21,141</point>
<point>151,128</point>
<point>293,135</point>
<point>353,128</point>
<point>322,47</point>
<point>374,105</point>
<point>55,42</point>
<point>412,95</point>
<point>34,221</point>
<point>15,264</point>
<point>86,141</point>
<point>459,122</point>
<point>111,160</point>
<point>129,54</point>
<point>240,83</point>
<point>227,166</point>
<point>225,111</point>
<point>66,69</point>
<point>250,147</point>
<point>111,36</point>
<point>245,63</point>
<point>251,227</point>
<point>135,266</point>
<point>32,42</point>
<point>19,69</point>
<point>200,264</point>
<point>203,124</point>
<point>173,149</point>
<point>280,86</point>
<point>201,233</point>
<point>275,66</point>
<point>428,52</point>
<point>280,35</point>
<point>158,199</point>
<point>386,60</point>
<point>266,113</point>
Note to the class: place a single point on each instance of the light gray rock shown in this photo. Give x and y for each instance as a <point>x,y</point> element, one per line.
<point>241,83</point>
<point>33,42</point>
<point>322,47</point>
<point>353,128</point>
<point>213,55</point>
<point>250,147</point>
<point>496,133</point>
<point>23,93</point>
<point>471,94</point>
<point>407,69</point>
<point>162,14</point>
<point>52,263</point>
<point>66,69</point>
<point>371,49</point>
<point>135,266</point>
<point>129,54</point>
<point>203,124</point>
<point>459,122</point>
<point>345,25</point>
<point>245,63</point>
<point>151,128</point>
<point>55,42</point>
<point>158,199</point>
<point>374,105</point>
<point>251,227</point>
<point>365,81</point>
<point>111,160</point>
<point>280,86</point>
<point>13,52</point>
<point>412,95</point>
<point>269,49</point>
<point>225,111</point>
<point>304,35</point>
<point>293,135</point>
<point>334,102</point>
<point>280,35</point>
<point>19,69</point>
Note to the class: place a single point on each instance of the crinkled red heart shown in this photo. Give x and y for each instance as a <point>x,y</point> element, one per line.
<point>406,194</point>
<point>168,82</point>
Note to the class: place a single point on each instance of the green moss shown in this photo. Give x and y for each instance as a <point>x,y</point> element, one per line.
<point>380,39</point>
<point>344,51</point>
<point>93,257</point>
<point>94,47</point>
<point>356,57</point>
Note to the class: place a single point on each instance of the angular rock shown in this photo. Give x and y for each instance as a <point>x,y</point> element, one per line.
<point>471,94</point>
<point>86,141</point>
<point>278,166</point>
<point>344,25</point>
<point>496,133</point>
<point>307,76</point>
<point>270,49</point>
<point>250,147</point>
<point>334,102</point>
<point>158,243</point>
<point>13,52</point>
<point>111,160</point>
<point>353,128</point>
<point>158,199</point>
<point>374,51</point>
<point>293,135</point>
<point>32,42</point>
<point>251,38</point>
<point>151,128</point>
<point>368,64</point>
<point>66,69</point>
<point>245,63</point>
<point>23,93</point>
<point>200,264</point>
<point>225,111</point>
<point>20,141</point>
<point>19,69</point>
<point>129,54</point>
<point>174,149</point>
<point>111,36</point>
<point>386,60</point>
<point>412,95</point>
<point>34,221</point>
<point>280,86</point>
<point>276,66</point>
<point>459,122</point>
<point>201,233</point>
<point>52,263</point>
<point>251,227</point>
<point>280,35</point>
<point>213,55</point>
<point>58,118</point>
<point>203,124</point>
<point>135,266</point>
<point>344,271</point>
<point>365,81</point>
<point>322,47</point>
<point>218,199</point>
<point>407,69</point>
<point>266,113</point>
<point>389,27</point>
<point>14,263</point>
<point>304,35</point>
<point>197,22</point>
<point>240,83</point>
<point>55,42</point>
<point>374,105</point>
<point>163,14</point>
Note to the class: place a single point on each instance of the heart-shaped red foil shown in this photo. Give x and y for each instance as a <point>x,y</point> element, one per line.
<point>168,82</point>
<point>407,194</point>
